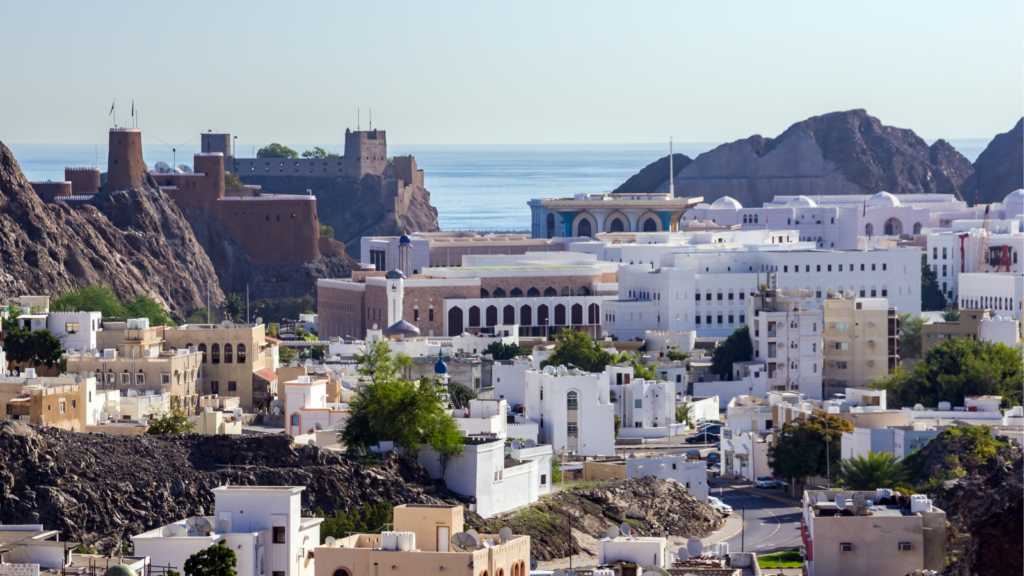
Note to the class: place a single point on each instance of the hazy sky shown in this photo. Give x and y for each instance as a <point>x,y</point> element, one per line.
<point>505,73</point>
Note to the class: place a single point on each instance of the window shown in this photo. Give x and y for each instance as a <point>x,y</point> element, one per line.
<point>730,318</point>
<point>71,327</point>
<point>907,546</point>
<point>861,267</point>
<point>743,295</point>
<point>126,379</point>
<point>215,387</point>
<point>140,379</point>
<point>840,267</point>
<point>841,327</point>
<point>165,379</point>
<point>202,350</point>
<point>743,318</point>
<point>943,270</point>
<point>62,407</point>
<point>708,318</point>
<point>232,386</point>
<point>884,292</point>
<point>544,479</point>
<point>719,295</point>
<point>228,356</point>
<point>698,296</point>
<point>943,253</point>
<point>829,267</point>
<point>845,547</point>
<point>841,345</point>
<point>785,268</point>
<point>279,536</point>
<point>573,430</point>
<point>698,320</point>
<point>572,400</point>
<point>415,314</point>
<point>841,365</point>
<point>215,354</point>
<point>638,404</point>
<point>430,314</point>
<point>719,318</point>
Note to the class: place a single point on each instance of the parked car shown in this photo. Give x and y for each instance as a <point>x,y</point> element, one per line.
<point>713,429</point>
<point>839,396</point>
<point>717,445</point>
<point>766,482</point>
<point>714,457</point>
<point>715,470</point>
<point>703,422</point>
<point>693,454</point>
<point>717,504</point>
<point>702,438</point>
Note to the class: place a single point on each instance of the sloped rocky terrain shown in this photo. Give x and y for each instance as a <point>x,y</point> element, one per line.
<point>847,152</point>
<point>135,241</point>
<point>652,507</point>
<point>999,169</point>
<point>653,175</point>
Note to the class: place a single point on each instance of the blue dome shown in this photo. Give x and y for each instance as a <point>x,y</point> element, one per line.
<point>404,240</point>
<point>440,367</point>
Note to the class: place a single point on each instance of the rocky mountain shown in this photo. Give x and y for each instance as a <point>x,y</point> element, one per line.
<point>999,169</point>
<point>653,175</point>
<point>839,153</point>
<point>652,507</point>
<point>355,208</point>
<point>135,241</point>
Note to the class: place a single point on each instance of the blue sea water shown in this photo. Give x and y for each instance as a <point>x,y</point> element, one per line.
<point>472,187</point>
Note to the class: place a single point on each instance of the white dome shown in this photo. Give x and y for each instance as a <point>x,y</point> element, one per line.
<point>884,199</point>
<point>1015,198</point>
<point>726,203</point>
<point>802,201</point>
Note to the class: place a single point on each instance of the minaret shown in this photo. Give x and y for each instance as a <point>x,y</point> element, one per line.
<point>671,171</point>
<point>396,288</point>
<point>405,255</point>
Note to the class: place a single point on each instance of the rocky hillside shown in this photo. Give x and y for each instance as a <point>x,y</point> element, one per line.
<point>839,153</point>
<point>354,208</point>
<point>653,175</point>
<point>999,169</point>
<point>135,241</point>
<point>649,505</point>
<point>100,489</point>
<point>979,482</point>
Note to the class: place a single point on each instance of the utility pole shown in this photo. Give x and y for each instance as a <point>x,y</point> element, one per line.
<point>743,528</point>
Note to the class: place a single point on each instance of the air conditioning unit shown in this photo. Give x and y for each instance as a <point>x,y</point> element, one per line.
<point>832,363</point>
<point>906,546</point>
<point>846,547</point>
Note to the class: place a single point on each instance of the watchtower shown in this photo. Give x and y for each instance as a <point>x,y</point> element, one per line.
<point>366,152</point>
<point>84,179</point>
<point>125,167</point>
<point>216,143</point>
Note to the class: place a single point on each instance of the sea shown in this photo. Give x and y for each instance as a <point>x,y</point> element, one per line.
<point>479,188</point>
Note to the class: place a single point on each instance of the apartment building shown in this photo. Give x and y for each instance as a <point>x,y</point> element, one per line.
<point>306,408</point>
<point>1002,293</point>
<point>861,341</point>
<point>787,336</point>
<point>573,410</point>
<point>974,324</point>
<point>647,408</point>
<point>956,251</point>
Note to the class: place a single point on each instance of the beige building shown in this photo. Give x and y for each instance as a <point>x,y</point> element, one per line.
<point>970,325</point>
<point>231,355</point>
<point>428,551</point>
<point>898,535</point>
<point>861,342</point>
<point>58,402</point>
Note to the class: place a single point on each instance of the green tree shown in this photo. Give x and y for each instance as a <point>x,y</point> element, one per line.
<point>674,353</point>
<point>392,408</point>
<point>618,425</point>
<point>34,348</point>
<point>556,471</point>
<point>932,297</point>
<point>910,335</point>
<point>216,560</point>
<point>90,299</point>
<point>372,519</point>
<point>276,150</point>
<point>445,438</point>
<point>460,393</point>
<point>801,449</point>
<point>144,306</point>
<point>174,421</point>
<point>234,306</point>
<point>501,351</point>
<point>577,349</point>
<point>285,354</point>
<point>319,153</point>
<point>736,348</point>
<point>10,319</point>
<point>955,368</point>
<point>684,414</point>
<point>326,231</point>
<point>951,315</point>
<point>201,316</point>
<point>231,181</point>
<point>876,470</point>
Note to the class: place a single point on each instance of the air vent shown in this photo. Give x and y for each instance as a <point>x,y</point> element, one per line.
<point>906,546</point>
<point>848,547</point>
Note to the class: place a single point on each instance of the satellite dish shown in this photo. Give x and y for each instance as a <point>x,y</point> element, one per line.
<point>184,169</point>
<point>224,526</point>
<point>533,563</point>
<point>530,443</point>
<point>277,410</point>
<point>78,379</point>
<point>463,542</point>
<point>311,442</point>
<point>516,445</point>
<point>822,497</point>
<point>259,320</point>
<point>475,535</point>
<point>694,546</point>
<point>162,167</point>
<point>487,543</point>
<point>318,426</point>
<point>166,532</point>
<point>683,553</point>
<point>330,540</point>
<point>227,324</point>
<point>133,393</point>
<point>625,528</point>
<point>841,501</point>
<point>146,353</point>
<point>918,407</point>
<point>505,534</point>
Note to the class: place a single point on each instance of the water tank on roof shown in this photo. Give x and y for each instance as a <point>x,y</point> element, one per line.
<point>406,541</point>
<point>388,540</point>
<point>945,406</point>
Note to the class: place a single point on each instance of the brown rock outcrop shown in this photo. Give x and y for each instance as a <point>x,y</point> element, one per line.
<point>135,241</point>
<point>999,169</point>
<point>653,175</point>
<point>839,153</point>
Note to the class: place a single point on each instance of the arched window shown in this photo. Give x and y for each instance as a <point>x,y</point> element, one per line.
<point>650,225</point>
<point>551,226</point>
<point>202,349</point>
<point>240,350</point>
<point>533,293</point>
<point>215,354</point>
<point>543,315</point>
<point>583,291</point>
<point>508,314</point>
<point>295,419</point>
<point>869,230</point>
<point>484,294</point>
<point>342,572</point>
<point>572,400</point>
<point>549,291</point>
<point>617,226</point>
<point>525,316</point>
<point>566,291</point>
<point>917,227</point>
<point>583,228</point>
<point>560,315</point>
<point>228,354</point>
<point>577,314</point>
<point>593,313</point>
<point>492,315</point>
<point>474,316</point>
<point>498,293</point>
<point>454,321</point>
<point>516,293</point>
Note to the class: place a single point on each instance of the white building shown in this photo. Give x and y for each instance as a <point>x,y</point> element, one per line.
<point>261,524</point>
<point>999,329</point>
<point>306,408</point>
<point>75,330</point>
<point>1002,293</point>
<point>745,454</point>
<point>642,550</point>
<point>749,377</point>
<point>787,335</point>
<point>647,408</point>
<point>573,410</point>
<point>487,418</point>
<point>701,407</point>
<point>466,343</point>
<point>693,474</point>
<point>749,414</point>
<point>954,252</point>
<point>897,440</point>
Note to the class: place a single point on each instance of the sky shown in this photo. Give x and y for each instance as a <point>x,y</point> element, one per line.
<point>505,73</point>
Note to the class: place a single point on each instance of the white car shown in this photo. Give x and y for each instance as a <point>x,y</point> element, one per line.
<point>717,504</point>
<point>766,482</point>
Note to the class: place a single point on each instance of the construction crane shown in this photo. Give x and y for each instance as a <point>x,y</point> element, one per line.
<point>983,246</point>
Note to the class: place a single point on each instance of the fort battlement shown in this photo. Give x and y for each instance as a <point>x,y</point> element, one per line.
<point>221,154</point>
<point>76,168</point>
<point>49,190</point>
<point>137,130</point>
<point>125,167</point>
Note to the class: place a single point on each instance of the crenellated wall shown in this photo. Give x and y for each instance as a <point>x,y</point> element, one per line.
<point>84,179</point>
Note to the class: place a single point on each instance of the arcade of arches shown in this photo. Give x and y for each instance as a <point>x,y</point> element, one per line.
<point>533,319</point>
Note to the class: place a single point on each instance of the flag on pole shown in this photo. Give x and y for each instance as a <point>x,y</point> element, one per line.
<point>111,108</point>
<point>865,207</point>
<point>133,108</point>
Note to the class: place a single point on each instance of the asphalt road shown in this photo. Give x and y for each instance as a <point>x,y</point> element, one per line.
<point>770,525</point>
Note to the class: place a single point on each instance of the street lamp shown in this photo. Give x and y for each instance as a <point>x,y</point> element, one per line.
<point>828,452</point>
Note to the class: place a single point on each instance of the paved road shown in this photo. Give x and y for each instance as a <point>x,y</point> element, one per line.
<point>770,525</point>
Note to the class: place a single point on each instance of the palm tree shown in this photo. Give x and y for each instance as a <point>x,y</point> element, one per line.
<point>951,315</point>
<point>684,413</point>
<point>876,470</point>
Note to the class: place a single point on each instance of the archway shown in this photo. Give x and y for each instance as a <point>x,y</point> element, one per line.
<point>893,227</point>
<point>542,315</point>
<point>617,225</point>
<point>650,225</point>
<point>549,291</point>
<point>551,226</point>
<point>455,321</point>
<point>498,293</point>
<point>616,222</point>
<point>560,315</point>
<point>869,229</point>
<point>516,293</point>
<point>474,316</point>
<point>492,315</point>
<point>508,314</point>
<point>917,227</point>
<point>593,313</point>
<point>525,315</point>
<point>583,229</point>
<point>577,314</point>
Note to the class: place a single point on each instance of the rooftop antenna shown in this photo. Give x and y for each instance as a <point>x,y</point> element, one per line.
<point>371,119</point>
<point>671,171</point>
<point>358,118</point>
